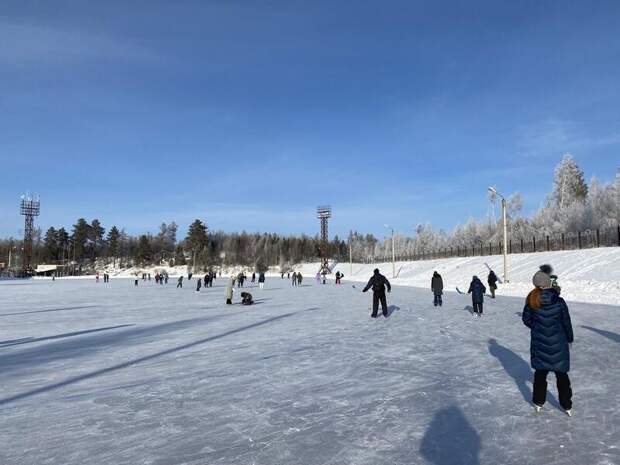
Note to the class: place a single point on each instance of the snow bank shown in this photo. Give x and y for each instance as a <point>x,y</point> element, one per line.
<point>591,275</point>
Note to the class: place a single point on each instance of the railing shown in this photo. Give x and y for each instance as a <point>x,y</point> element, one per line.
<point>588,239</point>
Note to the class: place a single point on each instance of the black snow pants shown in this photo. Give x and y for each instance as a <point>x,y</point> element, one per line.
<point>376,298</point>
<point>539,396</point>
<point>438,300</point>
<point>478,307</point>
<point>492,289</point>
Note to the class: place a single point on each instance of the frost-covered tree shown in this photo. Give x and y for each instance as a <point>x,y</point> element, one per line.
<point>569,185</point>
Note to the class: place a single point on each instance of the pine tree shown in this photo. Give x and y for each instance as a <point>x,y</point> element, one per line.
<point>50,244</point>
<point>179,256</point>
<point>96,233</point>
<point>113,243</point>
<point>569,185</point>
<point>196,238</point>
<point>144,252</point>
<point>79,238</point>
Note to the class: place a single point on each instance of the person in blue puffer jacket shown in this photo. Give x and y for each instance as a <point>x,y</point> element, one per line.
<point>546,314</point>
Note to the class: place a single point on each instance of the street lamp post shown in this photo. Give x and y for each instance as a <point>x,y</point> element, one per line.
<point>393,254</point>
<point>351,253</point>
<point>494,191</point>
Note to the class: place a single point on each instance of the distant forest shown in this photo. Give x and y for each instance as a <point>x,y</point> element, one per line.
<point>573,205</point>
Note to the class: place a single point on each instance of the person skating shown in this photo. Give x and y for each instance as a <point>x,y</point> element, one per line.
<point>337,277</point>
<point>318,278</point>
<point>189,276</point>
<point>180,282</point>
<point>437,288</point>
<point>229,290</point>
<point>166,278</point>
<point>299,278</point>
<point>261,280</point>
<point>477,290</point>
<point>551,331</point>
<point>492,281</point>
<point>294,279</point>
<point>253,278</point>
<point>246,298</point>
<point>135,281</point>
<point>378,283</point>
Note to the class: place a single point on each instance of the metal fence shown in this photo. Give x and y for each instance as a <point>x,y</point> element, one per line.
<point>588,239</point>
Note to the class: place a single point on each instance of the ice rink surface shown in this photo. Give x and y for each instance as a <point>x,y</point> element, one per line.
<point>113,374</point>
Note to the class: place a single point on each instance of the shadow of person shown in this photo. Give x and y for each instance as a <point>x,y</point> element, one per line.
<point>391,309</point>
<point>469,308</point>
<point>517,368</point>
<point>450,439</point>
<point>608,334</point>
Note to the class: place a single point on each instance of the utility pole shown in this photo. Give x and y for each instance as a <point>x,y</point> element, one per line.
<point>393,251</point>
<point>351,253</point>
<point>494,191</point>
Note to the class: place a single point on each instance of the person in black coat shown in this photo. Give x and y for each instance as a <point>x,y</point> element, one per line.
<point>378,283</point>
<point>546,314</point>
<point>261,279</point>
<point>253,278</point>
<point>477,290</point>
<point>492,280</point>
<point>437,288</point>
<point>246,298</point>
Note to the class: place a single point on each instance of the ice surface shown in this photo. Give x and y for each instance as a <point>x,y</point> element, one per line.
<point>112,374</point>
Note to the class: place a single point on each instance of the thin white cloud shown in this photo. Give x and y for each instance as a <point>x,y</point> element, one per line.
<point>553,137</point>
<point>24,44</point>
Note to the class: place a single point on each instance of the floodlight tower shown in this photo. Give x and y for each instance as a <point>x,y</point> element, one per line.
<point>30,207</point>
<point>324,213</point>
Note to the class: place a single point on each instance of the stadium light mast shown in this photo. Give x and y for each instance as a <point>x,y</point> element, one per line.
<point>324,213</point>
<point>393,253</point>
<point>494,191</point>
<point>30,207</point>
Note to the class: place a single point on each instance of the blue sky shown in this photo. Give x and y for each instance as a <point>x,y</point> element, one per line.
<point>249,114</point>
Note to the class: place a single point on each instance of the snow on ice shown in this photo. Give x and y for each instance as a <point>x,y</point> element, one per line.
<point>112,374</point>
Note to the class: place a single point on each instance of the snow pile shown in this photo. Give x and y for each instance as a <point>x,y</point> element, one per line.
<point>591,275</point>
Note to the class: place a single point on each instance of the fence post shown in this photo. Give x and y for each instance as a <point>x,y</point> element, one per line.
<point>490,249</point>
<point>521,245</point>
<point>562,241</point>
<point>510,246</point>
<point>598,238</point>
<point>534,242</point>
<point>579,238</point>
<point>547,243</point>
<point>619,235</point>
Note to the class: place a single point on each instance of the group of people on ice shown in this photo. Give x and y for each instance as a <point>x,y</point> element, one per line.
<point>545,313</point>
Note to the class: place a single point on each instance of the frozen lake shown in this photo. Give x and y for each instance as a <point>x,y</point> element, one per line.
<point>112,374</point>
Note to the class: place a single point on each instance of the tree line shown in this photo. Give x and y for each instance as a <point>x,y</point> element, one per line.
<point>573,205</point>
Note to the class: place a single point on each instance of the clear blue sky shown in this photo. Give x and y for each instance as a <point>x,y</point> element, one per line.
<point>248,114</point>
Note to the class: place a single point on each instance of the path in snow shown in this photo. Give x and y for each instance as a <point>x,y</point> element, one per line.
<point>112,374</point>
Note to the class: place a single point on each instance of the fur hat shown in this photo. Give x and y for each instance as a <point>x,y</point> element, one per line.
<point>541,280</point>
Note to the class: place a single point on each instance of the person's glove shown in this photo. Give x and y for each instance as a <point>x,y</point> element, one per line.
<point>365,290</point>
<point>389,290</point>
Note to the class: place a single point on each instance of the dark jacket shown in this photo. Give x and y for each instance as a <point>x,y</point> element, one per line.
<point>261,278</point>
<point>477,290</point>
<point>437,284</point>
<point>492,279</point>
<point>551,332</point>
<point>378,282</point>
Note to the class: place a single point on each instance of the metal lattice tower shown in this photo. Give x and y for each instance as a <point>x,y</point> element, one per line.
<point>324,213</point>
<point>30,207</point>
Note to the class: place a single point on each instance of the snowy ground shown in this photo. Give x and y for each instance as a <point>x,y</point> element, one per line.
<point>112,374</point>
<point>590,275</point>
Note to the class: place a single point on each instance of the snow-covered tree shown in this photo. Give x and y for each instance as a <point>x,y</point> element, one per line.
<point>569,185</point>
